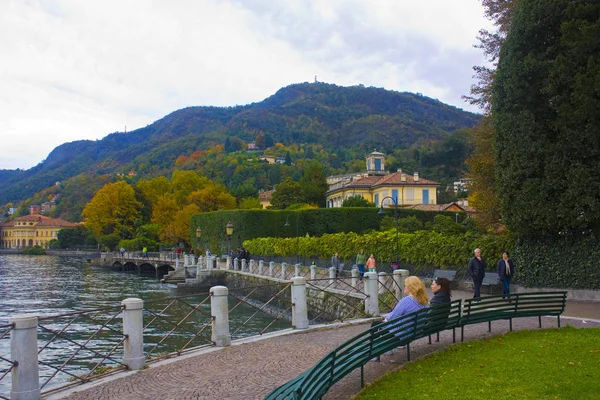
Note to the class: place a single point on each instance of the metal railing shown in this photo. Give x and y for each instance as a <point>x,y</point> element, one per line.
<point>183,334</point>
<point>341,301</point>
<point>96,347</point>
<point>6,364</point>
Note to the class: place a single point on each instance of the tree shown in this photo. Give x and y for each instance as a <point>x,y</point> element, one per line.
<point>213,197</point>
<point>357,201</point>
<point>74,237</point>
<point>260,141</point>
<point>113,209</point>
<point>314,184</point>
<point>546,113</point>
<point>286,193</point>
<point>183,183</point>
<point>249,203</point>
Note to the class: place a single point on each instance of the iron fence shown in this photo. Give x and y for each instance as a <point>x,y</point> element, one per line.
<point>186,321</point>
<point>94,343</point>
<point>6,364</point>
<point>335,300</point>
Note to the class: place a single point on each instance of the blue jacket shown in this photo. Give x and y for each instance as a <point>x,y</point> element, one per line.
<point>502,269</point>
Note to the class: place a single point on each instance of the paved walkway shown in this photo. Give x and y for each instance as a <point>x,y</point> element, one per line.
<point>252,370</point>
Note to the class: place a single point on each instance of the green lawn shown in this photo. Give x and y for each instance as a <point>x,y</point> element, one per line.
<point>540,364</point>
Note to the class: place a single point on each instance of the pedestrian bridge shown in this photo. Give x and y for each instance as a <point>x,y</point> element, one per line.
<point>158,264</point>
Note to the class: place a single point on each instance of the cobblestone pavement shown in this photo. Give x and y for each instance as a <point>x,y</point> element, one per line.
<point>252,370</point>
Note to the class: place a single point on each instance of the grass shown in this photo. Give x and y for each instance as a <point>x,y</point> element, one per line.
<point>545,364</point>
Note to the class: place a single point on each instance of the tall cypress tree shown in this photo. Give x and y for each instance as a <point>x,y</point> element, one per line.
<point>546,112</point>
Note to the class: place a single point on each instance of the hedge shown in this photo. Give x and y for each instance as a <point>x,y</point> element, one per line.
<point>420,248</point>
<point>250,224</point>
<point>559,261</point>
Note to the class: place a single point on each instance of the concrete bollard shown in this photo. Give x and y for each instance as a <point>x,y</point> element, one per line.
<point>219,310</point>
<point>261,267</point>
<point>228,261</point>
<point>400,276</point>
<point>252,266</point>
<point>244,264</point>
<point>382,281</point>
<point>199,269</point>
<point>297,270</point>
<point>271,268</point>
<point>176,264</point>
<point>299,306</point>
<point>313,272</point>
<point>332,272</point>
<point>354,277</point>
<point>209,263</point>
<point>372,300</point>
<point>192,260</point>
<point>24,350</point>
<point>236,264</point>
<point>133,329</point>
<point>283,270</point>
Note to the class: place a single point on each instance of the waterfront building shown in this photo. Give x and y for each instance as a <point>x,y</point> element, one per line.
<point>376,183</point>
<point>31,230</point>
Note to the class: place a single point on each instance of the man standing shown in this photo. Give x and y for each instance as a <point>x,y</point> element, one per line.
<point>360,263</point>
<point>335,263</point>
<point>476,269</point>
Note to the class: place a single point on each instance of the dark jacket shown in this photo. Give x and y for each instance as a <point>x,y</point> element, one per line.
<point>477,268</point>
<point>439,297</point>
<point>502,269</point>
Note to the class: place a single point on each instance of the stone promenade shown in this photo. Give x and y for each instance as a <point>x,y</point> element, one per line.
<point>251,370</point>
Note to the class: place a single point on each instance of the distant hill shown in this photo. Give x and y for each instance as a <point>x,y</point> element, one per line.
<point>333,116</point>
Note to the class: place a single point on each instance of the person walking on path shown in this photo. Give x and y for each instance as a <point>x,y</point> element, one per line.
<point>476,269</point>
<point>440,287</point>
<point>360,263</point>
<point>371,264</point>
<point>145,252</point>
<point>506,270</point>
<point>335,263</point>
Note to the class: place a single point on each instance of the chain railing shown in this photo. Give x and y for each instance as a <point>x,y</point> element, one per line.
<point>335,300</point>
<point>272,302</point>
<point>6,364</point>
<point>94,339</point>
<point>389,289</point>
<point>186,321</point>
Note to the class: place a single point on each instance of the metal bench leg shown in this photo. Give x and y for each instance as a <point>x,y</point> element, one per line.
<point>453,335</point>
<point>510,320</point>
<point>462,333</point>
<point>438,337</point>
<point>540,319</point>
<point>559,321</point>
<point>362,376</point>
<point>408,351</point>
<point>489,326</point>
<point>429,339</point>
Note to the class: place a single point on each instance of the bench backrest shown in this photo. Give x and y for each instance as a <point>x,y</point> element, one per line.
<point>444,273</point>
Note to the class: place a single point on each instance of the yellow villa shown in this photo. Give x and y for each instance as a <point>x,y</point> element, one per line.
<point>379,186</point>
<point>31,230</point>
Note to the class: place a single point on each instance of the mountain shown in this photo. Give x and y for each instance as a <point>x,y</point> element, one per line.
<point>318,113</point>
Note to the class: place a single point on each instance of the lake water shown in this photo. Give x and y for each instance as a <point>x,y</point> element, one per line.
<point>53,285</point>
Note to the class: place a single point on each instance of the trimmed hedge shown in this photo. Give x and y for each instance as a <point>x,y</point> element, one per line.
<point>565,261</point>
<point>250,224</point>
<point>420,248</point>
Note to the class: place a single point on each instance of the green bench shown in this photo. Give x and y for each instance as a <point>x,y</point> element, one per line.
<point>359,350</point>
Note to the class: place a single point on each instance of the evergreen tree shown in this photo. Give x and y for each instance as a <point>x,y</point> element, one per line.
<point>314,183</point>
<point>287,193</point>
<point>546,112</point>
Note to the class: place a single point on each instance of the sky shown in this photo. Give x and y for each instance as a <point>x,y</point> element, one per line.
<point>73,70</point>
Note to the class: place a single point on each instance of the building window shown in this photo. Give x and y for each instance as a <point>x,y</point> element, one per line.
<point>410,193</point>
<point>395,196</point>
<point>377,199</point>
<point>425,196</point>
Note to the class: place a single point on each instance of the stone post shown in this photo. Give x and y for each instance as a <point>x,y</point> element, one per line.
<point>176,264</point>
<point>236,264</point>
<point>219,310</point>
<point>299,306</point>
<point>354,277</point>
<point>192,260</point>
<point>133,328</point>
<point>331,275</point>
<point>399,276</point>
<point>313,272</point>
<point>199,269</point>
<point>252,266</point>
<point>283,270</point>
<point>261,267</point>
<point>297,270</point>
<point>271,268</point>
<point>228,261</point>
<point>372,301</point>
<point>244,264</point>
<point>209,263</point>
<point>24,350</point>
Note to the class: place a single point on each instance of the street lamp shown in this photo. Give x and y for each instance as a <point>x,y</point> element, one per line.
<point>198,234</point>
<point>287,224</point>
<point>456,218</point>
<point>381,212</point>
<point>229,233</point>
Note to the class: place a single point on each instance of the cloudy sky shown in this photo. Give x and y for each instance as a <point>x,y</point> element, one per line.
<point>73,69</point>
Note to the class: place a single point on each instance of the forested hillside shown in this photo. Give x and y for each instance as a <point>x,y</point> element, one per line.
<point>334,125</point>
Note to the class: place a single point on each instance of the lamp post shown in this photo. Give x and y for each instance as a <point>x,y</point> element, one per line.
<point>229,233</point>
<point>456,218</point>
<point>381,212</point>
<point>198,234</point>
<point>287,224</point>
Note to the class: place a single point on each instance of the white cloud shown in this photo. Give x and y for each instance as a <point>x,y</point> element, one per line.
<point>76,70</point>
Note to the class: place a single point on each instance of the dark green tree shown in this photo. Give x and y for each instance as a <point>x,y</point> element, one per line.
<point>75,237</point>
<point>314,183</point>
<point>287,193</point>
<point>357,201</point>
<point>546,112</point>
<point>288,158</point>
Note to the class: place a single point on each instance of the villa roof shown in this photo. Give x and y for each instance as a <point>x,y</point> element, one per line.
<point>42,221</point>
<point>394,179</point>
